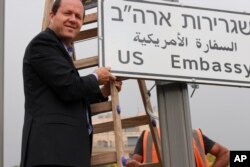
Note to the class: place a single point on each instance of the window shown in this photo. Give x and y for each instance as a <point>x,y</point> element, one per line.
<point>132,140</point>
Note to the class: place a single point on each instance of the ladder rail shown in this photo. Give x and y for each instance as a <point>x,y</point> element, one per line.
<point>148,108</point>
<point>46,19</point>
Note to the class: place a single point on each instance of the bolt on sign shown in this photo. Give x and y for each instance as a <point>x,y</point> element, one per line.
<point>165,41</point>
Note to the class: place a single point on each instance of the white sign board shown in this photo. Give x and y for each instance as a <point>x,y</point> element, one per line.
<point>161,41</point>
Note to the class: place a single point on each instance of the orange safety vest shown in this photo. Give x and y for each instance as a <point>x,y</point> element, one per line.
<point>150,155</point>
<point>199,149</point>
<point>149,151</point>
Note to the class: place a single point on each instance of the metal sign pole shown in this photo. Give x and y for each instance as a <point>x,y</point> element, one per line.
<point>175,123</point>
<point>1,78</point>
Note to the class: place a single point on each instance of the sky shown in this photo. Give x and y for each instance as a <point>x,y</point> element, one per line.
<point>222,112</point>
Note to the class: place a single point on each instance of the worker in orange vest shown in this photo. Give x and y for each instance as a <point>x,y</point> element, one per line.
<point>145,151</point>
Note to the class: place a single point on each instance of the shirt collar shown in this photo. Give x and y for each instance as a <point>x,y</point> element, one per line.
<point>70,50</point>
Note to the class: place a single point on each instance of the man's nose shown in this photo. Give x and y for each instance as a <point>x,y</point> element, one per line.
<point>72,18</point>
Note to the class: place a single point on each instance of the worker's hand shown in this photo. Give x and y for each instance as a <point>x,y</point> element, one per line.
<point>104,75</point>
<point>132,163</point>
<point>222,155</point>
<point>106,88</point>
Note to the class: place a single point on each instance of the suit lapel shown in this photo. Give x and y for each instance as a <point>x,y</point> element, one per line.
<point>61,46</point>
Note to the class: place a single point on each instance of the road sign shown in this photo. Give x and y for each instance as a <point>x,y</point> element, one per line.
<point>165,41</point>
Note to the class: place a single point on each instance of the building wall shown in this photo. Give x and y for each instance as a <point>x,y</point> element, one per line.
<point>105,142</point>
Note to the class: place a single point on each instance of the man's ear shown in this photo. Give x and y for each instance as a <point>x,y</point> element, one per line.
<point>51,16</point>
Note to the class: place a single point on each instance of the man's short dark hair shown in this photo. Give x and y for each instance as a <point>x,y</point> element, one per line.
<point>55,6</point>
<point>57,3</point>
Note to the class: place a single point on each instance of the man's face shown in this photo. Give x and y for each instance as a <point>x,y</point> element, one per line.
<point>67,22</point>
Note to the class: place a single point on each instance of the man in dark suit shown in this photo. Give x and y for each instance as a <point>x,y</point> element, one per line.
<point>57,127</point>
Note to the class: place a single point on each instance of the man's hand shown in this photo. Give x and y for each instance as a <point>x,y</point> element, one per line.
<point>104,75</point>
<point>106,88</point>
<point>222,155</point>
<point>132,163</point>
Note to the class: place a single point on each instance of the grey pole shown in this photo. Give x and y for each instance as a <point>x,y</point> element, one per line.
<point>2,14</point>
<point>175,123</point>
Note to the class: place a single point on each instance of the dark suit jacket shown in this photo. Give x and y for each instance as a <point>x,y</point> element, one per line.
<point>56,101</point>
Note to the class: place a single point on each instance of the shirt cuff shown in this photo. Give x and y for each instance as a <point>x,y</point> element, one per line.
<point>96,76</point>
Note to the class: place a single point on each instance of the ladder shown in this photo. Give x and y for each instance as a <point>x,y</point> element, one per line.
<point>113,105</point>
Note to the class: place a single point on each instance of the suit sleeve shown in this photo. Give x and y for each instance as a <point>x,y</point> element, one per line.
<point>49,62</point>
